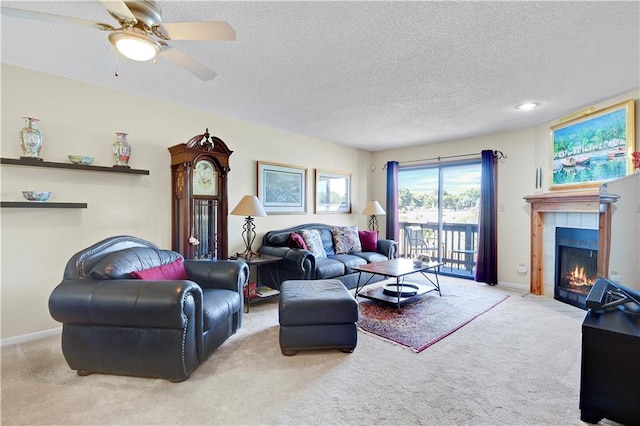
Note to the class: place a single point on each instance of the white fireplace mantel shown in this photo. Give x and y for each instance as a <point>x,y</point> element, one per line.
<point>589,201</point>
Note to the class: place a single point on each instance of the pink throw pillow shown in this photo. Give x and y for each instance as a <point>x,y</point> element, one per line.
<point>296,241</point>
<point>368,240</point>
<point>170,271</point>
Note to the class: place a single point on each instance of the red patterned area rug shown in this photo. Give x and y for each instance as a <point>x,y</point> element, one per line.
<point>431,318</point>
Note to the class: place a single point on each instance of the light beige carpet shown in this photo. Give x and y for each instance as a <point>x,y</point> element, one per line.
<point>518,364</point>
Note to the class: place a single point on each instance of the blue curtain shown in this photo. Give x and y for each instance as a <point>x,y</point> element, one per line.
<point>487,265</point>
<point>393,232</point>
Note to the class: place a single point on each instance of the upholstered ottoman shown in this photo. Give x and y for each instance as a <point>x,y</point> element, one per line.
<point>317,314</point>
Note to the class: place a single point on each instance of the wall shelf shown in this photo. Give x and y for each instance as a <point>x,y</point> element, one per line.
<point>55,165</point>
<point>42,205</point>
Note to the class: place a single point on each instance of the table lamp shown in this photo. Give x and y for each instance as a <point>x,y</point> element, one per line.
<point>373,208</point>
<point>250,207</point>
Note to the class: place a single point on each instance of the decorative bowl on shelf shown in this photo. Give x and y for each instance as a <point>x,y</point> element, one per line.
<point>83,160</point>
<point>36,195</point>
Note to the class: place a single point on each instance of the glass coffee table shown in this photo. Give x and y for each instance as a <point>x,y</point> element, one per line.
<point>399,292</point>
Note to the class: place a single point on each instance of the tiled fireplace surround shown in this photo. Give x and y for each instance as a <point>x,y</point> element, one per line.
<point>580,209</point>
<point>551,222</point>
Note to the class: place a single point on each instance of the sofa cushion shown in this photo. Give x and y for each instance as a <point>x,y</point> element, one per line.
<point>170,271</point>
<point>368,240</point>
<point>278,238</point>
<point>296,241</point>
<point>329,268</point>
<point>346,240</point>
<point>327,239</point>
<point>218,305</point>
<point>349,261</point>
<point>371,256</point>
<point>313,241</point>
<point>120,264</point>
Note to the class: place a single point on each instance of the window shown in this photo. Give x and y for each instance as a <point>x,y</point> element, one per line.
<point>443,200</point>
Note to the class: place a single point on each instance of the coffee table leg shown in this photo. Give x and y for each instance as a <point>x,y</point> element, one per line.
<point>436,284</point>
<point>359,287</point>
<point>358,284</point>
<point>398,289</point>
<point>435,271</point>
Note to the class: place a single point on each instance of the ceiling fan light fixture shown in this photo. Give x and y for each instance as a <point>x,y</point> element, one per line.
<point>134,44</point>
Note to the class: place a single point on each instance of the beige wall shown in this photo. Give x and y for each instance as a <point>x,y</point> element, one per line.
<point>526,150</point>
<point>77,118</point>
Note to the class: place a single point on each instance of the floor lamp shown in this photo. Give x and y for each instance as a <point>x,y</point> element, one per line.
<point>249,207</point>
<point>373,208</point>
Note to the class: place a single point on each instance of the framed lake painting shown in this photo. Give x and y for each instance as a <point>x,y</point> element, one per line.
<point>589,150</point>
<point>282,188</point>
<point>333,192</point>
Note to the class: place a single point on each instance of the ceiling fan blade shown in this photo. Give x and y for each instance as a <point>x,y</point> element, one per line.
<point>214,30</point>
<point>119,9</point>
<point>39,16</point>
<point>185,61</point>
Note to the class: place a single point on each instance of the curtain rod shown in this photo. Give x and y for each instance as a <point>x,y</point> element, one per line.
<point>498,155</point>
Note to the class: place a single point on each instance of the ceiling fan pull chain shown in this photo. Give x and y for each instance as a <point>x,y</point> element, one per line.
<point>117,65</point>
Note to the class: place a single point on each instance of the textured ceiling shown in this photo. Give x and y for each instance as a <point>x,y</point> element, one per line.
<point>372,75</point>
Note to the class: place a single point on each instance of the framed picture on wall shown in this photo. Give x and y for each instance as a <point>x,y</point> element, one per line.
<point>282,188</point>
<point>597,147</point>
<point>333,192</point>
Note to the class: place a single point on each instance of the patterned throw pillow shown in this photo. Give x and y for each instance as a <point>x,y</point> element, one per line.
<point>346,240</point>
<point>313,241</point>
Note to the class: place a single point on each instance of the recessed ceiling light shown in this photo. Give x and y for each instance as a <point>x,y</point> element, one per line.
<point>527,106</point>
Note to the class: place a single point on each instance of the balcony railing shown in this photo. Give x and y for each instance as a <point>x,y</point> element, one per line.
<point>456,248</point>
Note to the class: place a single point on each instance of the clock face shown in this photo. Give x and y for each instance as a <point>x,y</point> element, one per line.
<point>205,179</point>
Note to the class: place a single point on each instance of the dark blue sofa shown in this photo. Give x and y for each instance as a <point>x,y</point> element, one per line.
<point>300,264</point>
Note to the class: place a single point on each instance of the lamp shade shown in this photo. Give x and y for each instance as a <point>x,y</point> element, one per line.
<point>373,208</point>
<point>249,206</point>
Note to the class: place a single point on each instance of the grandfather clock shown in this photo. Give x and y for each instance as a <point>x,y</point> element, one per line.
<point>199,206</point>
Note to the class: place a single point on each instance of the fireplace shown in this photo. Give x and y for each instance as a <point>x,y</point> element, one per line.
<point>576,268</point>
<point>551,205</point>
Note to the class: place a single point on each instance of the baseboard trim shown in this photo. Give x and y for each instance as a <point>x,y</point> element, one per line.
<point>515,286</point>
<point>29,337</point>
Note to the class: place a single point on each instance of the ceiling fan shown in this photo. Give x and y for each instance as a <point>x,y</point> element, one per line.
<point>142,35</point>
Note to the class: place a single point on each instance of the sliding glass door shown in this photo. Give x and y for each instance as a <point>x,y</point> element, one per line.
<point>438,214</point>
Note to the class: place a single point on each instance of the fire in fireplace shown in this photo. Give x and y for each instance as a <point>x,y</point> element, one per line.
<point>576,264</point>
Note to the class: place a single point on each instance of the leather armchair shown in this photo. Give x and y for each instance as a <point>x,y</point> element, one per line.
<point>150,328</point>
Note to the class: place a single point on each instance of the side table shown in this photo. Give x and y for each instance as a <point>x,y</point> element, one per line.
<point>258,261</point>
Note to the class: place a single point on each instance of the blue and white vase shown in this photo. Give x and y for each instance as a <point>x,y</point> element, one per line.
<point>31,139</point>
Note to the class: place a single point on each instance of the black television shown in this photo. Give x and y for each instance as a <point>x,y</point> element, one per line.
<point>606,295</point>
